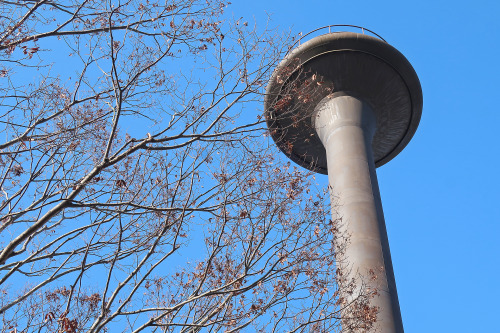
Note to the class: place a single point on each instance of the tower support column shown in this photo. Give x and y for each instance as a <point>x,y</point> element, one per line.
<point>346,125</point>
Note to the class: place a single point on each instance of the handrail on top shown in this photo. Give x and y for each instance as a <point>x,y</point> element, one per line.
<point>334,26</point>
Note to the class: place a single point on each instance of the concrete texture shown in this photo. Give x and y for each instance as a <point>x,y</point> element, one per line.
<point>346,126</point>
<point>360,64</point>
<point>343,104</point>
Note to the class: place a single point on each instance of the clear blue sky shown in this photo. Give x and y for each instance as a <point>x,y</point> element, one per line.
<point>441,194</point>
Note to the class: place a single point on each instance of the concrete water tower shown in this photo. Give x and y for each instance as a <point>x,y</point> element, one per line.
<point>342,104</point>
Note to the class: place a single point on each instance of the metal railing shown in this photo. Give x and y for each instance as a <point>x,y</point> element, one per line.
<point>336,27</point>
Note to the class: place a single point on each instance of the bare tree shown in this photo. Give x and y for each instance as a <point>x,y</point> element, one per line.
<point>139,189</point>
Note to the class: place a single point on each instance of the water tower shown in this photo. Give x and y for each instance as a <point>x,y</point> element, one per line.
<point>342,104</point>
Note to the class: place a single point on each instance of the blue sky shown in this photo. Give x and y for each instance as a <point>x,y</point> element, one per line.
<point>441,194</point>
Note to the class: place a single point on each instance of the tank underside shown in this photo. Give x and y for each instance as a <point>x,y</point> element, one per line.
<point>358,65</point>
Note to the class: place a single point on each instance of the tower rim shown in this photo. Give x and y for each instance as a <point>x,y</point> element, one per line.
<point>399,113</point>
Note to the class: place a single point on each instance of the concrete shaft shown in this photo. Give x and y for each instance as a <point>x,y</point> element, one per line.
<point>346,125</point>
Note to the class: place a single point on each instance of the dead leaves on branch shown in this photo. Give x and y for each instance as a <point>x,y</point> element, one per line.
<point>125,163</point>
